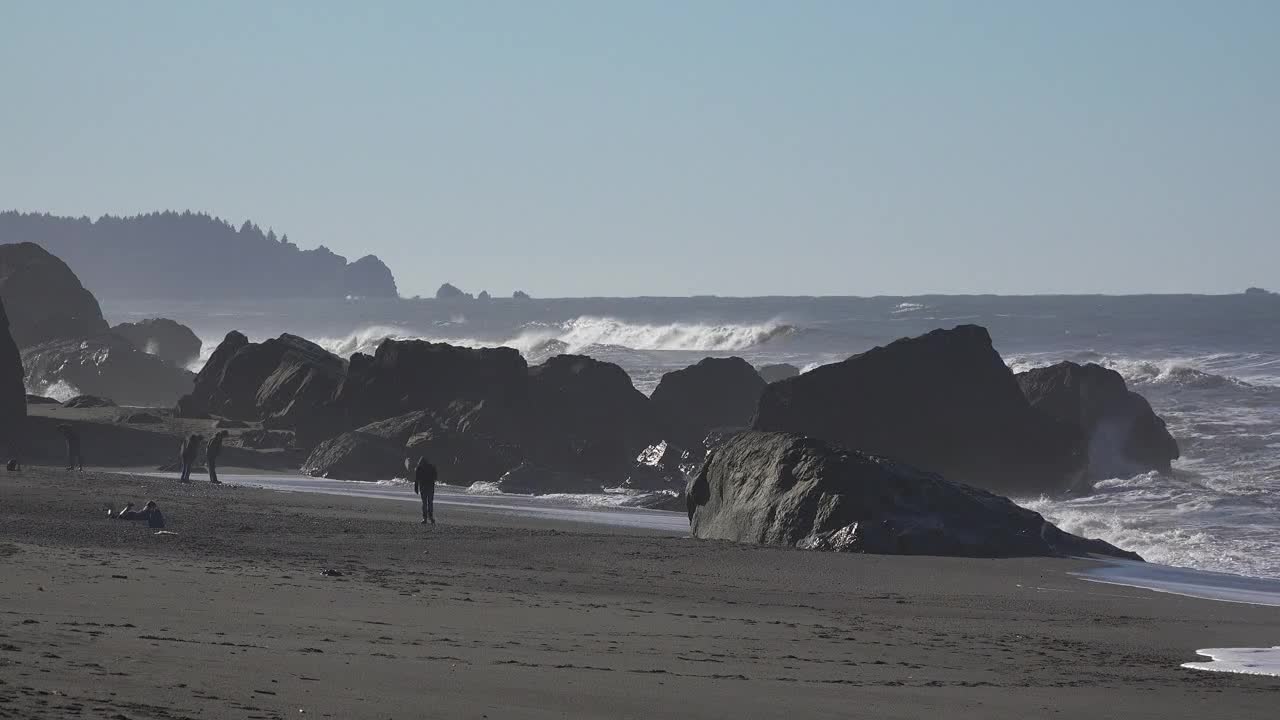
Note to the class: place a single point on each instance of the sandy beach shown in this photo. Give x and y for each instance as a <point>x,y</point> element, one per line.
<point>494,615</point>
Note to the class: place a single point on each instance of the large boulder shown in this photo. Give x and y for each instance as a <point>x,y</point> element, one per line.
<point>585,416</point>
<point>168,340</point>
<point>13,395</point>
<point>944,402</point>
<point>531,479</point>
<point>715,393</point>
<point>406,375</point>
<point>374,452</point>
<point>283,382</point>
<point>794,491</point>
<point>356,455</point>
<point>104,365</point>
<point>44,297</point>
<point>1123,435</point>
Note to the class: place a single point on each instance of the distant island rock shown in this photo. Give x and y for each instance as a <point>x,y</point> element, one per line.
<point>45,299</point>
<point>450,292</point>
<point>520,295</point>
<point>1258,291</point>
<point>194,256</point>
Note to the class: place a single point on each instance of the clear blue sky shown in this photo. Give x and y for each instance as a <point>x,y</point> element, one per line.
<point>739,148</point>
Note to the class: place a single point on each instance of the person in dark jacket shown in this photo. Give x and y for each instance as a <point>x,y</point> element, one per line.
<point>72,436</point>
<point>424,484</point>
<point>188,453</point>
<point>211,455</point>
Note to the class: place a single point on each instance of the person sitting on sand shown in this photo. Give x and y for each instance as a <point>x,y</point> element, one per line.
<point>72,436</point>
<point>424,485</point>
<point>150,512</point>
<point>187,454</point>
<point>211,452</point>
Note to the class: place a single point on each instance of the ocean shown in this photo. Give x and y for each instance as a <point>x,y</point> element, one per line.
<point>1209,365</point>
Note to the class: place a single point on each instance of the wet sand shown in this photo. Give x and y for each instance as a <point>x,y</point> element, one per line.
<point>494,614</point>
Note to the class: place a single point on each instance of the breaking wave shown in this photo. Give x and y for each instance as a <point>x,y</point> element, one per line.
<point>579,334</point>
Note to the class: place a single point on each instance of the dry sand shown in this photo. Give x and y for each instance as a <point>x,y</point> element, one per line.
<point>492,616</point>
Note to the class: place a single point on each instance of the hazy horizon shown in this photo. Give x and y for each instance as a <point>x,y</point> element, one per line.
<point>729,149</point>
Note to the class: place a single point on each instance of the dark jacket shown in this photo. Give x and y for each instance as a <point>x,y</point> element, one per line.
<point>424,478</point>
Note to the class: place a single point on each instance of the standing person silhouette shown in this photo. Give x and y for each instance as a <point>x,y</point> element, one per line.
<point>190,449</point>
<point>424,484</point>
<point>211,455</point>
<point>72,436</point>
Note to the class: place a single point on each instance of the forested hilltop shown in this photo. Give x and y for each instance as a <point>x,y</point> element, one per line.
<point>194,256</point>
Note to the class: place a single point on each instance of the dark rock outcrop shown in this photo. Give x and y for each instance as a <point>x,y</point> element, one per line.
<point>284,382</point>
<point>356,455</point>
<point>106,365</point>
<point>715,393</point>
<point>44,298</point>
<point>779,371</point>
<point>168,340</point>
<point>373,452</point>
<point>944,402</point>
<point>585,415</point>
<point>531,479</point>
<point>41,400</point>
<point>1123,435</point>
<point>520,295</point>
<point>406,375</point>
<point>13,394</point>
<point>88,401</point>
<point>794,491</point>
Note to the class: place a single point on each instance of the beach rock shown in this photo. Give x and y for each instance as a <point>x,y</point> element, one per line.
<point>944,402</point>
<point>106,365</point>
<point>41,400</point>
<point>88,401</point>
<point>373,452</point>
<point>715,393</point>
<point>794,491</point>
<point>780,371</point>
<point>258,439</point>
<point>168,340</point>
<point>13,394</point>
<point>531,479</point>
<point>356,455</point>
<point>406,375</point>
<point>280,382</point>
<point>585,416</point>
<point>468,443</point>
<point>1123,435</point>
<point>143,418</point>
<point>44,298</point>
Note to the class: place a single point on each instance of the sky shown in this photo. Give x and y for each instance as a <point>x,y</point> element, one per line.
<point>676,148</point>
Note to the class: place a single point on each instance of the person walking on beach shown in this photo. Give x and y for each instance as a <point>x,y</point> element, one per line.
<point>424,484</point>
<point>74,457</point>
<point>211,455</point>
<point>190,449</point>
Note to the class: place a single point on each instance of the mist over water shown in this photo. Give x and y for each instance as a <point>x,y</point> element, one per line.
<point>1209,365</point>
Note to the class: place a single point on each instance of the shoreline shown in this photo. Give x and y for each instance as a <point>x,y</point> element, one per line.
<point>509,616</point>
